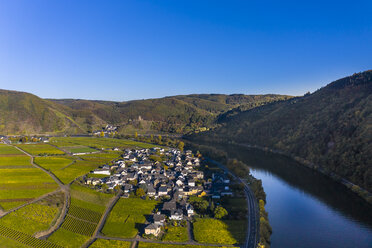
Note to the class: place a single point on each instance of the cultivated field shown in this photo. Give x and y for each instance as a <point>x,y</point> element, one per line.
<point>40,149</point>
<point>35,217</point>
<point>84,213</point>
<point>79,149</point>
<point>98,143</point>
<point>212,231</point>
<point>103,243</point>
<point>155,245</point>
<point>20,182</point>
<point>127,217</point>
<point>176,233</point>
<point>9,150</point>
<point>67,168</point>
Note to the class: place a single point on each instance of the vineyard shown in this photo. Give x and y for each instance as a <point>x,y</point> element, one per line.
<point>81,220</point>
<point>78,226</point>
<point>26,239</point>
<point>85,214</point>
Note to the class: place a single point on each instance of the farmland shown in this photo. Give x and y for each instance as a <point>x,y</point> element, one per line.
<point>103,243</point>
<point>67,239</point>
<point>67,168</point>
<point>35,217</point>
<point>9,150</point>
<point>25,238</point>
<point>127,216</point>
<point>176,233</point>
<point>40,149</point>
<point>155,245</point>
<point>223,232</point>
<point>83,216</point>
<point>78,149</point>
<point>98,143</point>
<point>53,163</point>
<point>21,182</point>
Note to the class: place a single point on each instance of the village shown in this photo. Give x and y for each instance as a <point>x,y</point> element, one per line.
<point>167,175</point>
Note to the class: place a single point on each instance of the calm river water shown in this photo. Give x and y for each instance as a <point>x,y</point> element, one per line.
<point>307,209</point>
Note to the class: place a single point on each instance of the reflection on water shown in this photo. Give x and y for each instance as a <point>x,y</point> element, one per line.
<point>307,209</point>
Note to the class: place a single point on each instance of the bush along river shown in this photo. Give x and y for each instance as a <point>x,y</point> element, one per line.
<point>307,209</point>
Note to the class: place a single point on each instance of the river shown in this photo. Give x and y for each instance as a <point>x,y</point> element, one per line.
<point>307,209</point>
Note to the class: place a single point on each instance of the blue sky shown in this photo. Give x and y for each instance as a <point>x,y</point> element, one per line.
<point>124,50</point>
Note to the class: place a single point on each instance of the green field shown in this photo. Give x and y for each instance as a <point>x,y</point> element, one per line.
<point>156,245</point>
<point>15,161</point>
<point>127,217</point>
<point>176,233</point>
<point>40,149</point>
<point>69,168</point>
<point>53,163</point>
<point>214,231</point>
<point>79,149</point>
<point>9,150</point>
<point>98,143</point>
<point>103,243</point>
<point>20,182</point>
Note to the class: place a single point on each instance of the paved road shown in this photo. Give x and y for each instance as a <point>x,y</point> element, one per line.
<point>252,229</point>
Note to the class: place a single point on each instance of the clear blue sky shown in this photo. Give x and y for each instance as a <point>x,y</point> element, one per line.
<point>123,50</point>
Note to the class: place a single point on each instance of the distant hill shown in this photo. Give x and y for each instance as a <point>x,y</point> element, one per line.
<point>174,114</point>
<point>24,113</point>
<point>331,127</point>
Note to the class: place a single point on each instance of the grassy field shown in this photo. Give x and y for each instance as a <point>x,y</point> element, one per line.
<point>155,245</point>
<point>40,149</point>
<point>214,231</point>
<point>9,150</point>
<point>98,143</point>
<point>35,217</point>
<point>176,233</point>
<point>103,243</point>
<point>20,182</point>
<point>127,217</point>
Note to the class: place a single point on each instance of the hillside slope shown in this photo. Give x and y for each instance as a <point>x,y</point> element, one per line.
<point>331,127</point>
<point>24,113</point>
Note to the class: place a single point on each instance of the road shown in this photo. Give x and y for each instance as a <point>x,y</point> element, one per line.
<point>253,227</point>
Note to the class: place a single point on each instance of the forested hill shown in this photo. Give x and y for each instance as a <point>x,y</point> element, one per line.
<point>174,114</point>
<point>331,127</point>
<point>24,113</point>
